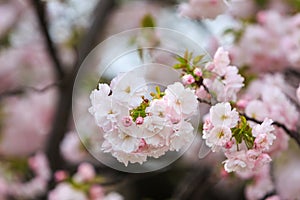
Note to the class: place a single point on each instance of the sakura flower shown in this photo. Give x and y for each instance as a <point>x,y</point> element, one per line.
<point>182,100</point>
<point>197,72</point>
<point>221,61</point>
<point>85,172</point>
<point>222,115</point>
<point>130,157</point>
<point>72,149</point>
<point>105,110</point>
<point>188,79</point>
<point>129,89</point>
<point>34,187</point>
<point>261,185</point>
<point>64,191</point>
<point>237,161</point>
<point>256,109</point>
<point>198,9</point>
<point>183,134</point>
<point>217,137</point>
<point>266,127</point>
<point>120,141</point>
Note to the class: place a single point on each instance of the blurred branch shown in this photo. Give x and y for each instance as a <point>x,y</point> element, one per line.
<point>39,7</point>
<point>196,179</point>
<point>25,89</point>
<point>62,115</point>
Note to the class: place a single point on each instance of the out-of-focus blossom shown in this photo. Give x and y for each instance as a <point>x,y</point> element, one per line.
<point>83,186</point>
<point>225,81</point>
<point>72,149</point>
<point>14,185</point>
<point>287,178</point>
<point>262,184</point>
<point>33,123</point>
<point>199,9</point>
<point>64,191</point>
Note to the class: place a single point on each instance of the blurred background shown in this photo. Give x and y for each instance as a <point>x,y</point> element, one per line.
<point>42,46</point>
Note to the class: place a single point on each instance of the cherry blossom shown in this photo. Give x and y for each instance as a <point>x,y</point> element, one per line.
<point>222,115</point>
<point>198,9</point>
<point>149,129</point>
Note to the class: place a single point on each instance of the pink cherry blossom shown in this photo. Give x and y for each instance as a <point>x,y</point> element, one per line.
<point>222,115</point>
<point>139,120</point>
<point>66,191</point>
<point>85,172</point>
<point>198,9</point>
<point>188,79</point>
<point>127,121</point>
<point>181,99</point>
<point>262,184</point>
<point>197,72</point>
<point>217,137</point>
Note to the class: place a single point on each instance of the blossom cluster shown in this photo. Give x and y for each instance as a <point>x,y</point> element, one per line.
<point>216,81</point>
<point>138,123</point>
<point>275,59</point>
<point>83,185</point>
<point>14,184</point>
<point>271,101</point>
<point>245,145</point>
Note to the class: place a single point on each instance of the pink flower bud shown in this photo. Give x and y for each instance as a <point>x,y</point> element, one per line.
<point>228,145</point>
<point>127,121</point>
<point>60,175</point>
<point>241,104</point>
<point>139,120</point>
<point>188,79</point>
<point>197,72</point>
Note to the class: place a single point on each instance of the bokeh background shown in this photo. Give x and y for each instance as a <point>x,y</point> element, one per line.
<point>42,46</point>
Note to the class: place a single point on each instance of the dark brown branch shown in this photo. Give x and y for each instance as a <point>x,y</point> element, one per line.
<point>293,134</point>
<point>62,115</point>
<point>39,7</point>
<point>26,89</point>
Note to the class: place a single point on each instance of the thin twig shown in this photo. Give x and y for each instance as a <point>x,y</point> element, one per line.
<point>293,134</point>
<point>26,89</point>
<point>40,12</point>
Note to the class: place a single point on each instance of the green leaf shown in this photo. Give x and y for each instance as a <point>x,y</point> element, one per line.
<point>148,21</point>
<point>197,59</point>
<point>181,59</point>
<point>178,66</point>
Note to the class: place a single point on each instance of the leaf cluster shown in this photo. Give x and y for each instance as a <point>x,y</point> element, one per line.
<point>243,132</point>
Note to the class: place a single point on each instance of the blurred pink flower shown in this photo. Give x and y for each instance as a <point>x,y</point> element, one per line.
<point>33,112</point>
<point>201,9</point>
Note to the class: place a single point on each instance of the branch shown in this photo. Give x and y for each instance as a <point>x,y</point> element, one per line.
<point>293,134</point>
<point>64,106</point>
<point>39,7</point>
<point>25,89</point>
